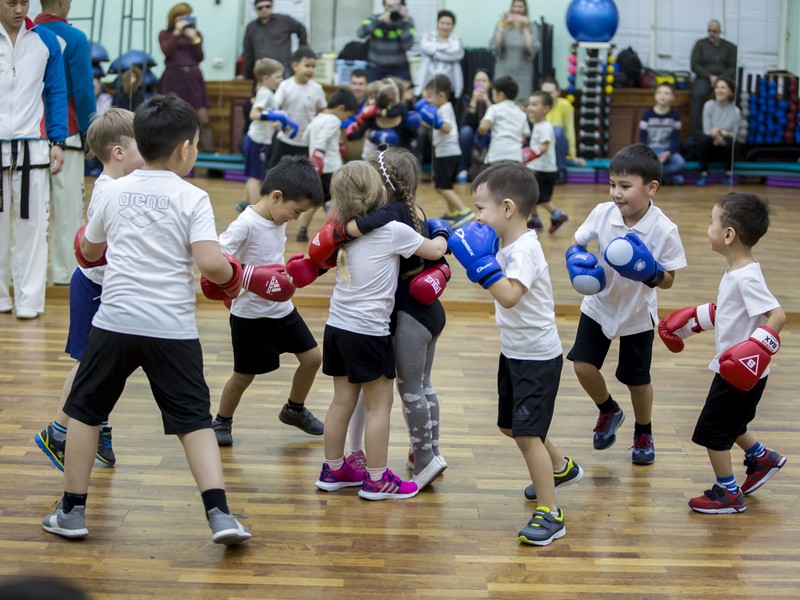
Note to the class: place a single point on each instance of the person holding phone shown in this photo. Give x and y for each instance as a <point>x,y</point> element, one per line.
<point>182,46</point>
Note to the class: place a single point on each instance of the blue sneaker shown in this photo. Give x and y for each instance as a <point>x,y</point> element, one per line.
<point>702,181</point>
<point>677,180</point>
<point>643,450</point>
<point>462,177</point>
<point>605,431</point>
<point>727,180</point>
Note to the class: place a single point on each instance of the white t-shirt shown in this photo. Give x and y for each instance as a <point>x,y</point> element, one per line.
<point>368,150</point>
<point>256,241</point>
<point>96,274</point>
<point>741,303</point>
<point>625,306</point>
<point>150,219</point>
<point>544,132</point>
<point>509,128</point>
<point>364,304</point>
<point>261,131</point>
<point>323,134</point>
<point>528,329</point>
<point>302,102</point>
<point>446,144</point>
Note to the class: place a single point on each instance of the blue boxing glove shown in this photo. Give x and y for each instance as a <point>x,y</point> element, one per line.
<point>412,120</point>
<point>282,117</point>
<point>384,136</point>
<point>629,257</point>
<point>421,103</point>
<point>474,246</point>
<point>586,275</point>
<point>430,116</point>
<point>439,228</point>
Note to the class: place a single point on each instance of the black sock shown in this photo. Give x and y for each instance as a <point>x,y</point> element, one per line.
<point>294,407</point>
<point>224,419</point>
<point>70,501</point>
<point>215,499</point>
<point>648,429</point>
<point>608,406</point>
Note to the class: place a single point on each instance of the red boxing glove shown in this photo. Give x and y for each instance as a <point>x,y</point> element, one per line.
<point>743,364</point>
<point>269,282</point>
<point>224,291</point>
<point>325,244</point>
<point>685,322</point>
<point>317,159</point>
<point>369,112</point>
<point>302,270</point>
<point>351,129</point>
<point>529,154</point>
<point>86,264</point>
<point>428,285</point>
<point>342,149</point>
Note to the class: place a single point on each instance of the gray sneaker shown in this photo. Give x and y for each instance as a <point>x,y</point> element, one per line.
<point>304,420</point>
<point>222,431</point>
<point>543,528</point>
<point>70,525</point>
<point>226,529</point>
<point>572,474</point>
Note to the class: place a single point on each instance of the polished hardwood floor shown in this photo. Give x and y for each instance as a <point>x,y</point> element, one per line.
<point>629,531</point>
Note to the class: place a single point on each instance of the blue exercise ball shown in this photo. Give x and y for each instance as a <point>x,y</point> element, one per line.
<point>592,20</point>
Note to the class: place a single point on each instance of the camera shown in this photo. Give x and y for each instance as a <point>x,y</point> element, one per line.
<point>190,21</point>
<point>394,12</point>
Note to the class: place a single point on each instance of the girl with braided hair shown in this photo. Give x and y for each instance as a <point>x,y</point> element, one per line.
<point>418,317</point>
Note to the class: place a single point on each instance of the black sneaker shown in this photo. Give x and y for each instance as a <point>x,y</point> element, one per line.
<point>304,420</point>
<point>222,431</point>
<point>105,453</point>
<point>53,448</point>
<point>572,474</point>
<point>302,235</point>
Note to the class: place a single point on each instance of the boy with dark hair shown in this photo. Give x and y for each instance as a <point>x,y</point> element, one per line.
<point>660,129</point>
<point>155,224</point>
<point>437,113</point>
<point>301,98</point>
<point>324,133</point>
<point>518,278</point>
<point>746,320</point>
<point>506,121</point>
<point>540,156</point>
<point>639,249</point>
<point>261,329</point>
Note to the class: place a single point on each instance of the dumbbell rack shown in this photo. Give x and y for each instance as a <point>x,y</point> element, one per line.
<point>592,129</point>
<point>769,106</point>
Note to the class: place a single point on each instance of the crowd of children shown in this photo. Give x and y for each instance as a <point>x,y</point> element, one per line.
<point>385,316</point>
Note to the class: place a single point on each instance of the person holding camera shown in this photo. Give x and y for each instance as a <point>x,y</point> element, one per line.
<point>515,44</point>
<point>182,46</point>
<point>391,33</point>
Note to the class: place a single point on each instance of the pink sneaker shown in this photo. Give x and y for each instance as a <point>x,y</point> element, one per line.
<point>388,487</point>
<point>358,460</point>
<point>347,476</point>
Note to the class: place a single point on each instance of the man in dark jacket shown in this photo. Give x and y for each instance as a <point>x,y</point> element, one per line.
<point>270,36</point>
<point>712,58</point>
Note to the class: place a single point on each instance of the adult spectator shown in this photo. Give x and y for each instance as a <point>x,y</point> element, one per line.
<point>515,44</point>
<point>31,70</point>
<point>182,46</point>
<point>712,58</point>
<point>441,55</point>
<point>270,36</point>
<point>721,118</point>
<point>472,107</point>
<point>67,187</point>
<point>391,34</point>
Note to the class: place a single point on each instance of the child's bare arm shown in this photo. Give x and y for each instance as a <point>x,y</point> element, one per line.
<point>432,249</point>
<point>484,127</point>
<point>776,319</point>
<point>211,262</point>
<point>507,292</point>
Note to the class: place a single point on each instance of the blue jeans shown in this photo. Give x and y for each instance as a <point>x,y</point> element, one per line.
<point>562,147</point>
<point>673,165</point>
<point>378,72</point>
<point>467,139</point>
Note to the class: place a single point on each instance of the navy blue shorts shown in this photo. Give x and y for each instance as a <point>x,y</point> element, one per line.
<point>84,300</point>
<point>256,157</point>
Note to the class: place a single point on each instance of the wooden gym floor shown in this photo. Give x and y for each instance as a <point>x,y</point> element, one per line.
<point>629,531</point>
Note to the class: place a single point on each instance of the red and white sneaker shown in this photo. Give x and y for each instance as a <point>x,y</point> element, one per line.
<point>388,487</point>
<point>347,476</point>
<point>759,470</point>
<point>718,500</point>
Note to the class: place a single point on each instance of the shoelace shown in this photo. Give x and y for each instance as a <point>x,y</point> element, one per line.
<point>642,442</point>
<point>604,422</point>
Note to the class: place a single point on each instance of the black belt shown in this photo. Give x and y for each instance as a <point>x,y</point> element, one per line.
<point>24,211</point>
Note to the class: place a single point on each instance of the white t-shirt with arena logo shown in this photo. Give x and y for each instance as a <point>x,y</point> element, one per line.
<point>150,219</point>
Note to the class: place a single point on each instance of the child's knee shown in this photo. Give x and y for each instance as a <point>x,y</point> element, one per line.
<point>311,359</point>
<point>584,370</point>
